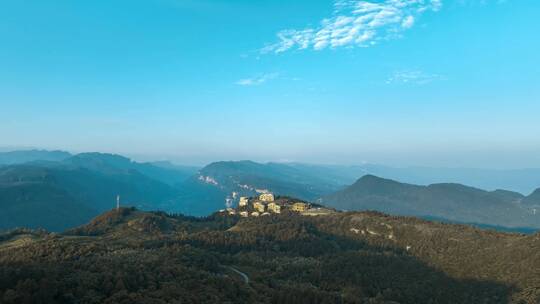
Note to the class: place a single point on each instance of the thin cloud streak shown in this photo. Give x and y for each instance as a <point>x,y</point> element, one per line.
<point>416,77</point>
<point>257,80</point>
<point>355,23</point>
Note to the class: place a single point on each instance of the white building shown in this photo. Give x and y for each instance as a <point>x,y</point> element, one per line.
<point>273,207</point>
<point>243,201</point>
<point>299,207</point>
<point>259,206</point>
<point>266,197</point>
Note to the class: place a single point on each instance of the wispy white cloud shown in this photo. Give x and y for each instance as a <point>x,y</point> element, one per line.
<point>257,80</point>
<point>417,77</point>
<point>355,23</point>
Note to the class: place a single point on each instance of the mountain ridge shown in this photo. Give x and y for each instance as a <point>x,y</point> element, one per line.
<point>451,201</point>
<point>533,199</point>
<point>23,156</point>
<point>95,179</point>
<point>90,183</point>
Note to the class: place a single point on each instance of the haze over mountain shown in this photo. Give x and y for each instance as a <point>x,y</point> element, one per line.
<point>115,164</point>
<point>248,177</point>
<point>452,202</point>
<point>60,194</point>
<point>24,156</point>
<point>67,192</point>
<point>220,184</point>
<point>523,181</point>
<point>31,197</point>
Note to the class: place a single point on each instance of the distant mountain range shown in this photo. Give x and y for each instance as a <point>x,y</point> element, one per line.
<point>453,202</point>
<point>20,157</point>
<point>523,181</point>
<point>220,184</point>
<point>60,194</point>
<point>57,190</point>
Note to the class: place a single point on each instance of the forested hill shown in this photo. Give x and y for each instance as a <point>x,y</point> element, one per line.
<point>129,256</point>
<point>448,201</point>
<point>56,195</point>
<point>533,199</point>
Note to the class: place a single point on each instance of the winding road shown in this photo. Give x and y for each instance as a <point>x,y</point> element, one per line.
<point>243,275</point>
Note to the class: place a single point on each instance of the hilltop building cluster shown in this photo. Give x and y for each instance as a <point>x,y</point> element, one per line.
<point>267,204</point>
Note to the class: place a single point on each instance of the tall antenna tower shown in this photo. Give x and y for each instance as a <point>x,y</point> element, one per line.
<point>117,202</point>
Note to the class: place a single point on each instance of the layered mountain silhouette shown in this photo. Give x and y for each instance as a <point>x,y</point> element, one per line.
<point>63,194</point>
<point>115,164</point>
<point>220,184</point>
<point>19,157</point>
<point>38,204</point>
<point>57,190</point>
<point>453,202</point>
<point>523,181</point>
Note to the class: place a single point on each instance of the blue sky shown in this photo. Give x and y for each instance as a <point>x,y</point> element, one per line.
<point>402,82</point>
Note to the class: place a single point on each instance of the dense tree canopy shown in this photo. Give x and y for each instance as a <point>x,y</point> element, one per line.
<point>129,256</point>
